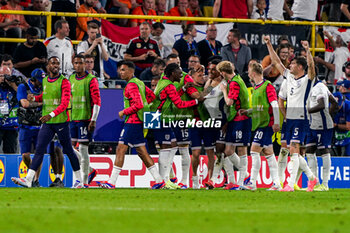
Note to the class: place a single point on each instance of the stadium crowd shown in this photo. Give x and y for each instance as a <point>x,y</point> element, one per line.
<point>199,80</point>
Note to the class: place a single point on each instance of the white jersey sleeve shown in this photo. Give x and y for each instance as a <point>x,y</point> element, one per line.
<point>283,90</point>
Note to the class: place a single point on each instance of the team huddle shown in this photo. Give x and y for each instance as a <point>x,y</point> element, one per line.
<point>242,123</point>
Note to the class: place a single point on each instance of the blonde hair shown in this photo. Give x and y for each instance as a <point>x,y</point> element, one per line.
<point>225,66</point>
<point>256,68</point>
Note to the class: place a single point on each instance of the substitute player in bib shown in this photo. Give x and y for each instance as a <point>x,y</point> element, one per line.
<point>200,135</point>
<point>321,131</point>
<point>55,97</point>
<point>136,99</point>
<point>265,121</point>
<point>239,126</point>
<point>85,104</point>
<point>299,85</point>
<point>167,98</point>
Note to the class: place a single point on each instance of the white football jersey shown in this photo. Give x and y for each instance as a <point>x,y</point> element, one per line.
<point>298,91</point>
<point>212,102</point>
<point>283,90</point>
<point>320,120</point>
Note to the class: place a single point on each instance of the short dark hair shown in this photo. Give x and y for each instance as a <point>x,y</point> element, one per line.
<point>236,33</point>
<point>283,37</point>
<point>194,55</point>
<point>158,25</point>
<point>32,31</point>
<point>6,57</point>
<point>89,56</point>
<point>80,55</point>
<point>159,62</point>
<point>214,61</point>
<point>187,28</point>
<point>171,55</point>
<point>301,61</point>
<point>146,23</point>
<point>52,58</point>
<point>129,64</point>
<point>170,69</point>
<point>59,23</point>
<point>156,77</point>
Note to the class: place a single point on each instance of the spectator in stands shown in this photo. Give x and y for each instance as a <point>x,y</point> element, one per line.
<point>154,82</point>
<point>271,73</point>
<point>344,88</point>
<point>94,45</point>
<point>209,47</point>
<point>283,40</point>
<point>344,7</point>
<point>82,22</point>
<point>172,58</point>
<point>12,26</point>
<point>37,21</point>
<point>156,32</point>
<point>147,8</point>
<point>122,7</point>
<point>156,70</point>
<point>142,50</point>
<point>8,112</point>
<point>235,52</point>
<point>186,46</point>
<point>259,13</point>
<point>240,9</point>
<point>275,9</point>
<point>180,10</point>
<point>66,6</point>
<point>61,46</point>
<point>161,7</point>
<point>31,54</point>
<point>7,60</point>
<point>195,10</point>
<point>341,55</point>
<point>304,10</point>
<point>346,71</point>
<point>193,63</point>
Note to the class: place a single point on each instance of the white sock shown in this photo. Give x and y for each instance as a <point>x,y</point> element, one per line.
<point>114,176</point>
<point>172,155</point>
<point>243,167</point>
<point>256,164</point>
<point>195,182</point>
<point>228,166</point>
<point>186,164</point>
<point>282,164</point>
<point>154,172</point>
<point>77,175</point>
<point>295,166</point>
<point>300,171</point>
<point>313,165</point>
<point>85,162</point>
<point>163,161</point>
<point>217,166</point>
<point>234,159</point>
<point>30,175</point>
<point>271,161</point>
<point>305,168</point>
<point>326,158</point>
<point>59,176</point>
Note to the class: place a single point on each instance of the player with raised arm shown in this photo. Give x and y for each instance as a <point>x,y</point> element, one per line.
<point>167,98</point>
<point>321,130</point>
<point>85,104</point>
<point>136,99</point>
<point>55,118</point>
<point>265,121</point>
<point>239,126</point>
<point>299,84</point>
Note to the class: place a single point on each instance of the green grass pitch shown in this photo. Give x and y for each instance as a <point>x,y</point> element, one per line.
<point>142,210</point>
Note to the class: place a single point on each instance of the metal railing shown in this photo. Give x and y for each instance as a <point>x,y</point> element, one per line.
<point>49,16</point>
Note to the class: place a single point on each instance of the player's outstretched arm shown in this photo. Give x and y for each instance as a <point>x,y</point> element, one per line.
<point>274,57</point>
<point>311,73</point>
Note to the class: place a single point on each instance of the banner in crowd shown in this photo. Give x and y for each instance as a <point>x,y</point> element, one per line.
<point>117,38</point>
<point>136,175</point>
